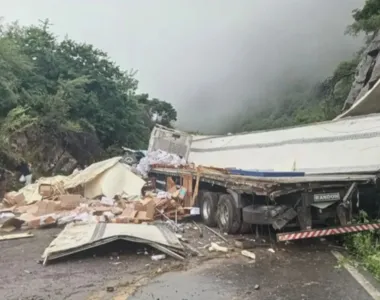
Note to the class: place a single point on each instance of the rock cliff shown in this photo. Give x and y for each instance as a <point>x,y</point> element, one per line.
<point>367,72</point>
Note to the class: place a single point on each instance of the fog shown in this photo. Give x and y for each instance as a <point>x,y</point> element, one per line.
<point>209,58</point>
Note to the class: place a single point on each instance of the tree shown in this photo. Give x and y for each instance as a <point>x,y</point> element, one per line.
<point>367,19</point>
<point>66,88</point>
<point>157,111</point>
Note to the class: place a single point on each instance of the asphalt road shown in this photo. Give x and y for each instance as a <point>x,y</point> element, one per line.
<point>305,270</point>
<point>297,272</point>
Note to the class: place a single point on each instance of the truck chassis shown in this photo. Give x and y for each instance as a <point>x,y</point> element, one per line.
<point>319,205</point>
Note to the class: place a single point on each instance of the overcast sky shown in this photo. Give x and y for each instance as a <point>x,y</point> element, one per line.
<point>206,57</point>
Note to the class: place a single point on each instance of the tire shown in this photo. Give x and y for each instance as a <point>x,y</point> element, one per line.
<point>208,206</point>
<point>228,215</point>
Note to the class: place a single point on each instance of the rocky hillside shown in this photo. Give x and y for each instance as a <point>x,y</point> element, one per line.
<point>367,72</point>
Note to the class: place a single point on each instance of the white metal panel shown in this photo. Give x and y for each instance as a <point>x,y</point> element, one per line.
<point>345,145</point>
<point>78,237</point>
<point>170,140</point>
<point>367,104</point>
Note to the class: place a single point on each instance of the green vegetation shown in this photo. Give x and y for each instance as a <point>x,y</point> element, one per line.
<point>367,19</point>
<point>365,247</point>
<point>62,87</point>
<point>302,103</point>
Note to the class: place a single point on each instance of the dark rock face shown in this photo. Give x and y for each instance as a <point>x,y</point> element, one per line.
<point>51,154</point>
<point>367,72</point>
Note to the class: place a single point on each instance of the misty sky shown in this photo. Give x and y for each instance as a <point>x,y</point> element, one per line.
<point>207,57</point>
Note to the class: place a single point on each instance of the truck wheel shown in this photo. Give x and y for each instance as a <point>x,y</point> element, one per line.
<point>209,202</point>
<point>228,215</point>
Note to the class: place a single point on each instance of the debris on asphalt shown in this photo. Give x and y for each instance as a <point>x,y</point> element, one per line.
<point>199,228</point>
<point>104,192</point>
<point>248,254</point>
<point>271,250</point>
<point>216,233</point>
<point>216,247</point>
<point>158,257</point>
<point>106,202</point>
<point>256,287</point>
<point>75,238</point>
<point>16,236</point>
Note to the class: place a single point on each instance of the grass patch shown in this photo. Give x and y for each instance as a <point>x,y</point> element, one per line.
<point>365,247</point>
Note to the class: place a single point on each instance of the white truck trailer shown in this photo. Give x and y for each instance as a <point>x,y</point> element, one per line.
<point>315,178</point>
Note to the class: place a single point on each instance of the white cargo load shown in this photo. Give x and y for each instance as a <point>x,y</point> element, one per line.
<point>339,146</point>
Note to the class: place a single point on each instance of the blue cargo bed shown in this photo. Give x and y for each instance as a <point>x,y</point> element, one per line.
<point>258,173</point>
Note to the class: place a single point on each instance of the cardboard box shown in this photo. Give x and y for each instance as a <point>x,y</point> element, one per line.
<point>129,212</point>
<point>69,202</point>
<point>138,206</point>
<point>149,207</point>
<point>121,219</point>
<point>143,216</point>
<point>45,207</point>
<point>14,198</point>
<point>38,221</point>
<point>170,185</point>
<point>188,185</point>
<point>45,190</point>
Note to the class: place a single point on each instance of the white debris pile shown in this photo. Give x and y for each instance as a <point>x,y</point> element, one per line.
<point>158,157</point>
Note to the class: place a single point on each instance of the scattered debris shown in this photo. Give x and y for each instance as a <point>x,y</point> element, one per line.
<point>248,254</point>
<point>158,257</point>
<point>158,157</point>
<point>256,287</point>
<point>110,289</point>
<point>16,236</point>
<point>199,228</point>
<point>216,247</point>
<point>216,233</point>
<point>244,244</point>
<point>271,250</point>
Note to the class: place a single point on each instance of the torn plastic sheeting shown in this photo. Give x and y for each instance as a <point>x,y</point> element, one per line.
<point>108,178</point>
<point>90,172</point>
<point>79,237</point>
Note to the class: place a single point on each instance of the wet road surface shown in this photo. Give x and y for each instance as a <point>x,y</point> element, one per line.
<point>300,272</point>
<point>81,277</point>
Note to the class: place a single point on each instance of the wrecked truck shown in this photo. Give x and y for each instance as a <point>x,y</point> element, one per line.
<point>305,182</point>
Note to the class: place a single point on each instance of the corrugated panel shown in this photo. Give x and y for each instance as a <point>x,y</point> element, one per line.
<point>79,237</point>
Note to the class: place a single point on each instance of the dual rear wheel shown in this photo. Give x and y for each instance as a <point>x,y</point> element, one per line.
<point>220,210</point>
